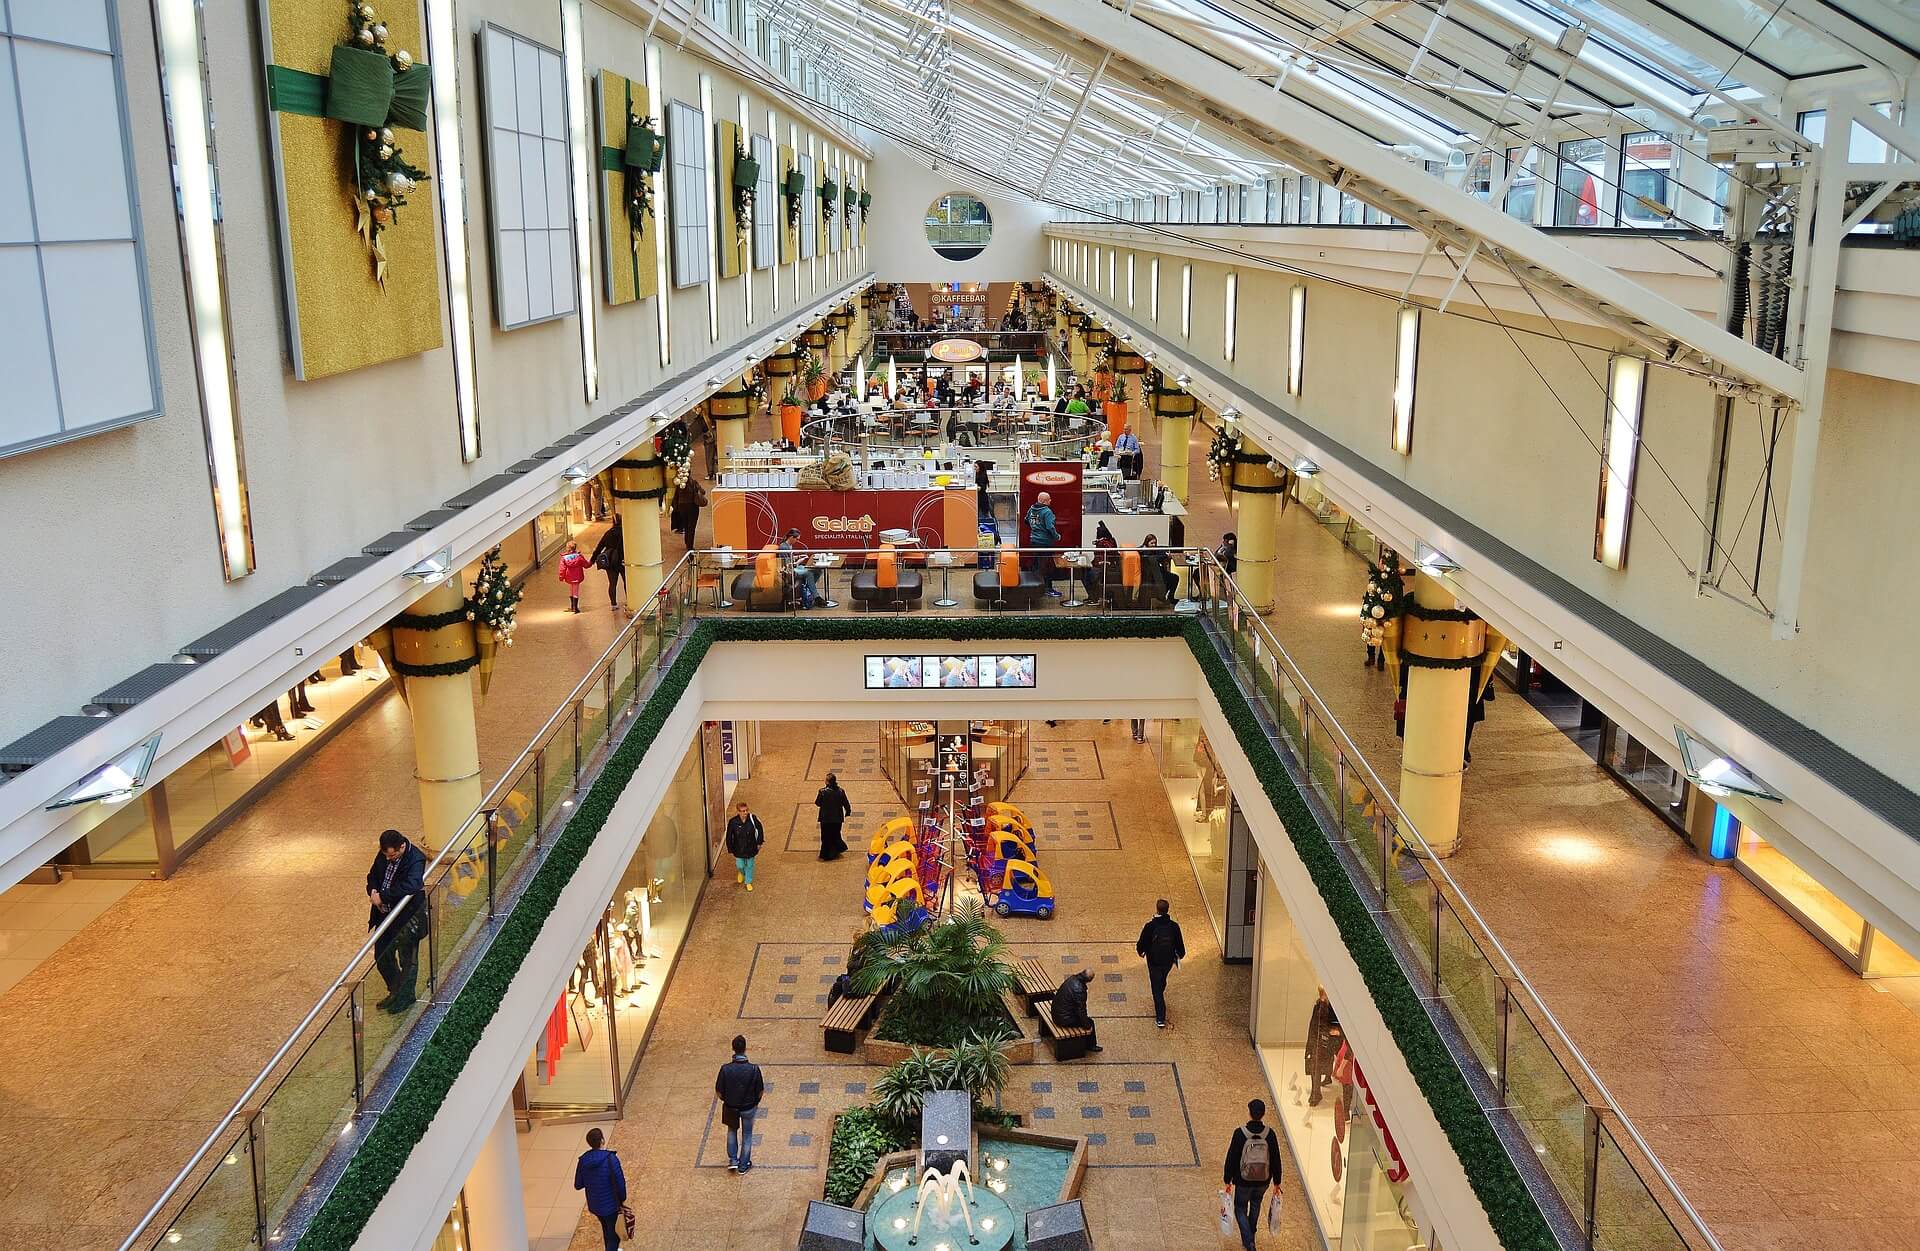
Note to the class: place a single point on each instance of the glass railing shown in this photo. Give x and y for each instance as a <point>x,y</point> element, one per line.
<point>308,1101</point>
<point>1615,1190</point>
<point>252,1170</point>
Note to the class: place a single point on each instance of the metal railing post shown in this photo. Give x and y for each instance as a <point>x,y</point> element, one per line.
<point>1501,1039</point>
<point>1593,1172</point>
<point>493,861</point>
<point>578,704</point>
<point>539,793</point>
<point>433,943</point>
<point>1340,792</point>
<point>1434,906</point>
<point>257,1167</point>
<point>1386,845</point>
<point>358,1033</point>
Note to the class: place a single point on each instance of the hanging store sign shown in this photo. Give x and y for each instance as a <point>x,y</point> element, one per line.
<point>955,351</point>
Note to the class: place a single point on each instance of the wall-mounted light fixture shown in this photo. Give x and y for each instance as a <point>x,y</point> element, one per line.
<point>573,55</point>
<point>450,185</point>
<point>576,474</point>
<point>711,191</point>
<point>1181,380</point>
<point>432,569</point>
<point>1305,468</point>
<point>1232,312</point>
<point>1129,280</point>
<point>1186,301</point>
<point>1620,458</point>
<point>1431,560</point>
<point>1296,337</point>
<point>1229,414</point>
<point>1406,357</point>
<point>656,94</point>
<point>189,117</point>
<point>1153,290</point>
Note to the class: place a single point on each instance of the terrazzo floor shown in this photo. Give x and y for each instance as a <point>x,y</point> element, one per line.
<point>1157,1107</point>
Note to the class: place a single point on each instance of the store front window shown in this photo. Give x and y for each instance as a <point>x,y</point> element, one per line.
<point>1840,927</point>
<point>587,1056</point>
<point>1000,748</point>
<point>1198,792</point>
<point>453,1230</point>
<point>1358,1190</point>
<point>1662,786</point>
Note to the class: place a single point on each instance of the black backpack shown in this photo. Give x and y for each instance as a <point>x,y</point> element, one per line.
<point>1161,948</point>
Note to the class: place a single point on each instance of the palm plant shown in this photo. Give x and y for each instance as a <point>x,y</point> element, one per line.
<point>948,979</point>
<point>975,1065</point>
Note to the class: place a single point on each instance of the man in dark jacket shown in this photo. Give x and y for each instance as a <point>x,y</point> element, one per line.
<point>1253,1164</point>
<point>1070,1006</point>
<point>745,834</point>
<point>598,1172</point>
<point>1162,946</point>
<point>739,1088</point>
<point>393,890</point>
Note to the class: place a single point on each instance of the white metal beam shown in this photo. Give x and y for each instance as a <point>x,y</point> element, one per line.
<point>1405,190</point>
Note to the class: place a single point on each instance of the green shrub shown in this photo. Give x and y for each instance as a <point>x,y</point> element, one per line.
<point>860,1137</point>
<point>948,980</point>
<point>975,1065</point>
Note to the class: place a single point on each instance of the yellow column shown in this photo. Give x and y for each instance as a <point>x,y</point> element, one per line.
<point>1437,694</point>
<point>816,341</point>
<point>729,412</point>
<point>435,653</point>
<point>782,374</point>
<point>1255,493</point>
<point>639,484</point>
<point>1174,407</point>
<point>1077,342</point>
<point>1129,365</point>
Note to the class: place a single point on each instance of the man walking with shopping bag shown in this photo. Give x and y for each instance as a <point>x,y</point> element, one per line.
<point>1253,1164</point>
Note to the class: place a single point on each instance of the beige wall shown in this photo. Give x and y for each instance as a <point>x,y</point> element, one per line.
<point>117,530</point>
<point>1505,434</point>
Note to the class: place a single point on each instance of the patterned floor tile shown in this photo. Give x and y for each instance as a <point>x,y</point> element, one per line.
<point>795,1117</point>
<point>847,760</point>
<point>1063,759</point>
<point>787,980</point>
<point>1073,825</point>
<point>1134,1115</point>
<point>803,830</point>
<point>1119,975</point>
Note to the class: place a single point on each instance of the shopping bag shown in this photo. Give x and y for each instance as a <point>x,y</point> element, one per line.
<point>1227,1229</point>
<point>1273,1211</point>
<point>627,1221</point>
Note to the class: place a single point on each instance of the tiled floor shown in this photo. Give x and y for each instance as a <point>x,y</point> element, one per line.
<point>554,1208</point>
<point>36,921</point>
<point>1156,1107</point>
<point>130,1039</point>
<point>1781,1091</point>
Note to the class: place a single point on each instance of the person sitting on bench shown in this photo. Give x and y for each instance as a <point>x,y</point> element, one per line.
<point>1070,1007</point>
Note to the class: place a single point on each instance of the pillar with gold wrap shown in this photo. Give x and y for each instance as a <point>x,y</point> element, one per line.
<point>729,411</point>
<point>816,343</point>
<point>1130,366</point>
<point>1174,410</point>
<point>1255,493</point>
<point>783,375</point>
<point>639,485</point>
<point>1099,340</point>
<point>1449,655</point>
<point>842,341</point>
<point>1077,344</point>
<point>435,654</point>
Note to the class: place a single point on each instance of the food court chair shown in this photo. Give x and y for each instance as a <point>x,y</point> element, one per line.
<point>1007,585</point>
<point>887,584</point>
<point>766,587</point>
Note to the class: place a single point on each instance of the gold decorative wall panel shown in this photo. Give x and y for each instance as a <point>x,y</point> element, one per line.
<point>339,317</point>
<point>730,244</point>
<point>789,233</point>
<point>628,266</point>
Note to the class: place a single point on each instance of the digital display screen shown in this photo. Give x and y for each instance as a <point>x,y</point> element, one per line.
<point>968,672</point>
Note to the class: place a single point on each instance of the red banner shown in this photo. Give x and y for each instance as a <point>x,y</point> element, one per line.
<point>1061,480</point>
<point>842,520</point>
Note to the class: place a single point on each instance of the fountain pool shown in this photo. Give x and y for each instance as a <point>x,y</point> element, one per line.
<point>1014,1178</point>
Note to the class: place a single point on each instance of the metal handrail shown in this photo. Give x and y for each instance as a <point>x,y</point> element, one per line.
<point>1431,862</point>
<point>488,803</point>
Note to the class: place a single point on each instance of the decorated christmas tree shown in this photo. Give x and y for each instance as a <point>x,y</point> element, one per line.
<point>676,451</point>
<point>494,609</point>
<point>1384,601</point>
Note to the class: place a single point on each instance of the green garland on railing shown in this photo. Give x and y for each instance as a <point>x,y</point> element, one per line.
<point>1515,1217</point>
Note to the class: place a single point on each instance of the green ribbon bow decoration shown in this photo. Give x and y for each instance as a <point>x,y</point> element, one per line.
<point>361,88</point>
<point>746,172</point>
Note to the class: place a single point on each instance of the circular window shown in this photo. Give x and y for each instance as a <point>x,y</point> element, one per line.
<point>958,226</point>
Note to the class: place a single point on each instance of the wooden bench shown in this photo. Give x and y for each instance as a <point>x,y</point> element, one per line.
<point>1036,984</point>
<point>844,1021</point>
<point>1068,1044</point>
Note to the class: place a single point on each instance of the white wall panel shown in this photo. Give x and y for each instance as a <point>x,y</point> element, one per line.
<point>31,410</point>
<point>527,179</point>
<point>99,325</point>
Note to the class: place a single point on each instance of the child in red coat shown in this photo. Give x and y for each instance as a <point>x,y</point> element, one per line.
<point>573,571</point>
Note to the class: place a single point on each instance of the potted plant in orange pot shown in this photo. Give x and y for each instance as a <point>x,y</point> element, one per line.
<point>792,409</point>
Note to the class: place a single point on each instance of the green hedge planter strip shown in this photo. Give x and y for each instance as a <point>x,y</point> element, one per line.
<point>377,1164</point>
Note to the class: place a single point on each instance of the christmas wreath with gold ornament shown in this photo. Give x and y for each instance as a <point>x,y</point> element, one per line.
<point>377,92</point>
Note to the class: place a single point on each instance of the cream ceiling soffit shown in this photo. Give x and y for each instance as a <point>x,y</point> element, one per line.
<point>193,711</point>
<point>1316,142</point>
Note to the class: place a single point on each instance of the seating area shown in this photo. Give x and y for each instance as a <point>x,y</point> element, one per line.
<point>844,1021</point>
<point>1006,585</point>
<point>889,584</point>
<point>1036,984</point>
<point>1068,1042</point>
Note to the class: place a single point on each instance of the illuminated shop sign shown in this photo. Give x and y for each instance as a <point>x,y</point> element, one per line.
<point>970,672</point>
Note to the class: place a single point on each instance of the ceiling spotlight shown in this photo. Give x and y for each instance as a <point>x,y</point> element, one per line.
<point>1715,774</point>
<point>714,382</point>
<point>576,474</point>
<point>1433,561</point>
<point>1181,379</point>
<point>114,781</point>
<point>433,568</point>
<point>1305,468</point>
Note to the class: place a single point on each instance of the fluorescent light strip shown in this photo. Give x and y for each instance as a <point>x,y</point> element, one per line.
<point>1186,301</point>
<point>189,130</point>
<point>1111,255</point>
<point>818,161</point>
<point>1626,404</point>
<point>1153,289</point>
<point>1129,281</point>
<point>1406,357</point>
<point>1233,311</point>
<point>800,228</point>
<point>656,98</point>
<point>746,270</point>
<point>574,60</point>
<point>773,266</point>
<point>1297,338</point>
<point>711,191</point>
<point>451,185</point>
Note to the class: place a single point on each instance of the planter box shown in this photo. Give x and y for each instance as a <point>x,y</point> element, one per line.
<point>1025,1049</point>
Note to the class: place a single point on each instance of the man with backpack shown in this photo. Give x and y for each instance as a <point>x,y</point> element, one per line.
<point>1253,1164</point>
<point>1162,947</point>
<point>1043,530</point>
